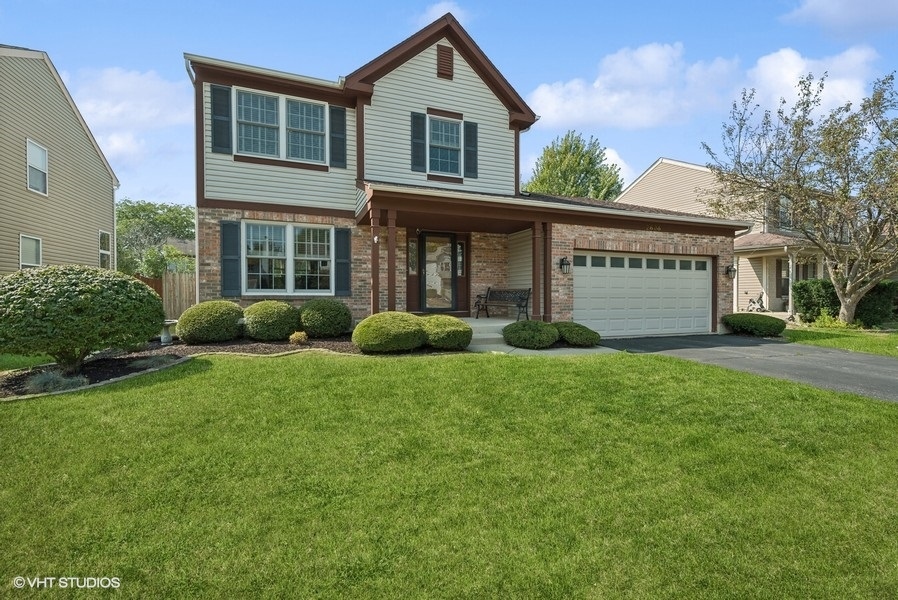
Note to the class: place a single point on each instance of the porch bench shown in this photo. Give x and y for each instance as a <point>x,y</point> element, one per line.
<point>519,298</point>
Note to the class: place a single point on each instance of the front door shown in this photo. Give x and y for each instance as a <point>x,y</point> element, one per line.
<point>439,282</point>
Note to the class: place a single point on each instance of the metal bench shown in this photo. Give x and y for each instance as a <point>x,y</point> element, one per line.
<point>517,298</point>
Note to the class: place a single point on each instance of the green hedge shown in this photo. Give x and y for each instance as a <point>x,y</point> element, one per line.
<point>755,324</point>
<point>210,321</point>
<point>325,317</point>
<point>447,332</point>
<point>270,320</point>
<point>815,297</point>
<point>534,335</point>
<point>389,332</point>
<point>576,334</point>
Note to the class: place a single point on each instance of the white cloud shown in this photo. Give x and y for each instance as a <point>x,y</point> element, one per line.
<point>636,88</point>
<point>776,76</point>
<point>847,16</point>
<point>122,147</point>
<point>627,173</point>
<point>435,11</point>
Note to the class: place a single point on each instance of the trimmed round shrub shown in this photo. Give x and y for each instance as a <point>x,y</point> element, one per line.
<point>576,334</point>
<point>447,332</point>
<point>535,335</point>
<point>299,338</point>
<point>270,320</point>
<point>325,317</point>
<point>69,311</point>
<point>389,332</point>
<point>210,321</point>
<point>755,324</point>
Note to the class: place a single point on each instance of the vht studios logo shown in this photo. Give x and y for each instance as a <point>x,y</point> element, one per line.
<point>67,582</point>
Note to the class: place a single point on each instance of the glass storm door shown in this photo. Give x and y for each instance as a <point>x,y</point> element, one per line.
<point>439,272</point>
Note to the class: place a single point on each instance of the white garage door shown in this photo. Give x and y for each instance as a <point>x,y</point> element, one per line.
<point>624,295</point>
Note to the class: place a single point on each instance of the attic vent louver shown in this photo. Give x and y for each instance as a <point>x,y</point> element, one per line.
<point>444,62</point>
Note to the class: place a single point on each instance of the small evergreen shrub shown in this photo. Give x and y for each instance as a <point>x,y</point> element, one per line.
<point>447,332</point>
<point>389,332</point>
<point>754,324</point>
<point>576,334</point>
<point>299,338</point>
<point>53,381</point>
<point>535,335</point>
<point>270,320</point>
<point>69,311</point>
<point>813,297</point>
<point>325,317</point>
<point>878,305</point>
<point>210,321</point>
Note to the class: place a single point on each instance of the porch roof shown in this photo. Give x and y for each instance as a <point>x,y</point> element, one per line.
<point>439,208</point>
<point>768,241</point>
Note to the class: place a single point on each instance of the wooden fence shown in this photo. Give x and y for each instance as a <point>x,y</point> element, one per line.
<point>178,291</point>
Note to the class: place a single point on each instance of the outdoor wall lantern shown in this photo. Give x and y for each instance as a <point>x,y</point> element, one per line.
<point>565,265</point>
<point>730,271</point>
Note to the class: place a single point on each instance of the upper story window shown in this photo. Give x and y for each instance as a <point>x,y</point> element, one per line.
<point>29,252</point>
<point>444,147</point>
<point>306,129</point>
<point>38,162</point>
<point>258,124</point>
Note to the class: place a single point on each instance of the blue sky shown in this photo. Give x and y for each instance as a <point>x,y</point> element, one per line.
<point>647,78</point>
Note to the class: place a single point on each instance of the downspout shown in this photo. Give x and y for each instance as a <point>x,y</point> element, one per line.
<point>791,281</point>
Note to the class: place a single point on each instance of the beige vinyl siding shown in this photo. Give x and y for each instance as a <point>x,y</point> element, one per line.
<point>671,186</point>
<point>415,87</point>
<point>80,200</point>
<point>750,274</point>
<point>520,259</point>
<point>247,182</point>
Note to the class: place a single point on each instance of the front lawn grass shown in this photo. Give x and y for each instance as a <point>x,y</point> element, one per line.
<point>856,340</point>
<point>10,362</point>
<point>465,476</point>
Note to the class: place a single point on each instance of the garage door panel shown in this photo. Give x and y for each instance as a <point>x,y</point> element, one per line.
<point>621,294</point>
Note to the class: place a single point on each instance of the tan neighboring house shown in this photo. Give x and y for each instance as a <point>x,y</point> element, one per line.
<point>57,191</point>
<point>396,187</point>
<point>767,258</point>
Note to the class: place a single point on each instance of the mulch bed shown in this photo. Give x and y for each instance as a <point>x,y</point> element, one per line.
<point>110,365</point>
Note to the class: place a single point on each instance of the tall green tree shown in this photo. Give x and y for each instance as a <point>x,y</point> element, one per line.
<point>834,173</point>
<point>571,166</point>
<point>142,229</point>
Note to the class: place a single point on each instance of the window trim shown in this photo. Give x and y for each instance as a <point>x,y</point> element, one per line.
<point>40,252</point>
<point>448,118</point>
<point>290,258</point>
<point>102,252</point>
<point>28,143</point>
<point>283,130</point>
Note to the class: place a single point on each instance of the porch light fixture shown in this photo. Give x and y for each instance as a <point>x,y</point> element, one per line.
<point>565,265</point>
<point>730,271</point>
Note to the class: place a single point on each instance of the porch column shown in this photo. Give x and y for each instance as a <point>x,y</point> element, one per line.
<point>391,259</point>
<point>375,261</point>
<point>791,281</point>
<point>548,265</point>
<point>536,275</point>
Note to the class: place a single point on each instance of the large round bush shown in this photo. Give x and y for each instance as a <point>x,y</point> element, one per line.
<point>447,332</point>
<point>210,321</point>
<point>389,332</point>
<point>270,320</point>
<point>535,335</point>
<point>325,317</point>
<point>576,334</point>
<point>754,324</point>
<point>70,311</point>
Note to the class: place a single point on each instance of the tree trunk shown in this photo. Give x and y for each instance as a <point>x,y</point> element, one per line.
<point>847,308</point>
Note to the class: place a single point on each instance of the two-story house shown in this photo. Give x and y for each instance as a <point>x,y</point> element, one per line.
<point>769,255</point>
<point>57,191</point>
<point>397,188</point>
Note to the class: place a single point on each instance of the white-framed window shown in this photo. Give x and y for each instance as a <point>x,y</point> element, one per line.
<point>30,249</point>
<point>38,167</point>
<point>288,258</point>
<point>444,144</point>
<point>105,248</point>
<point>281,127</point>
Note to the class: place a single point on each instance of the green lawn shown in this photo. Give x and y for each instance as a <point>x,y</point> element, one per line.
<point>846,339</point>
<point>8,362</point>
<point>462,476</point>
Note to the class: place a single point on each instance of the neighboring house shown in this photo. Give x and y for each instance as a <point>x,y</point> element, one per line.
<point>57,191</point>
<point>768,257</point>
<point>397,188</point>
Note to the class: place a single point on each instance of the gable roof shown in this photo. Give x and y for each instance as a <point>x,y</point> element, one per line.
<point>17,52</point>
<point>362,80</point>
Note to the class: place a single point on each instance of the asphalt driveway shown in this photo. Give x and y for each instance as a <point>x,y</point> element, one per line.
<point>840,370</point>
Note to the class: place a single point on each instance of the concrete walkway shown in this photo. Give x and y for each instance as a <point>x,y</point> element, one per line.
<point>840,370</point>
